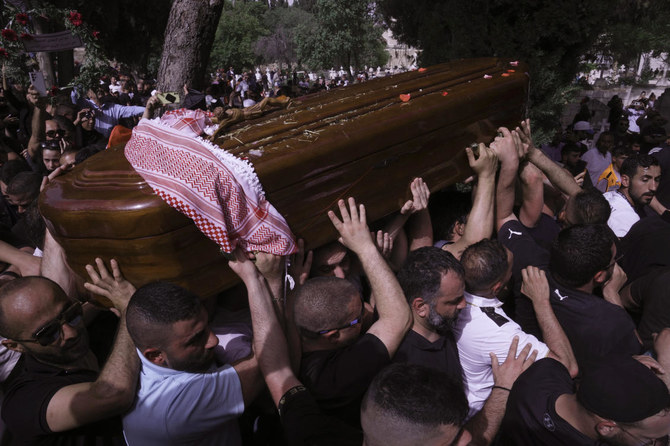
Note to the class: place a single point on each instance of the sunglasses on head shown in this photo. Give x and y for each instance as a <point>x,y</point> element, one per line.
<point>52,331</point>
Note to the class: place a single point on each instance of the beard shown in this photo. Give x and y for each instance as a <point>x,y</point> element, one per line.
<point>441,324</point>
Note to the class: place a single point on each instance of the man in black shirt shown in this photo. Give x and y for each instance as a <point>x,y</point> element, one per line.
<point>619,402</point>
<point>55,397</point>
<point>338,363</point>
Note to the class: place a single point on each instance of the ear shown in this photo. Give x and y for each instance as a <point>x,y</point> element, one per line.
<point>13,345</point>
<point>600,277</point>
<point>495,289</point>
<point>625,180</point>
<point>459,228</point>
<point>333,336</point>
<point>606,428</point>
<point>420,307</point>
<point>155,356</point>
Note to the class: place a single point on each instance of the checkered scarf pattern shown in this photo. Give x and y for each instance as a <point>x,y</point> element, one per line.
<point>219,192</point>
<point>191,121</point>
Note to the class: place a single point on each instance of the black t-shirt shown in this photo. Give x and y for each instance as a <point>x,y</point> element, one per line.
<point>339,378</point>
<point>518,239</point>
<point>545,232</point>
<point>531,418</point>
<point>645,247</point>
<point>27,397</point>
<point>663,191</point>
<point>305,425</point>
<point>594,327</point>
<point>440,355</point>
<point>651,293</point>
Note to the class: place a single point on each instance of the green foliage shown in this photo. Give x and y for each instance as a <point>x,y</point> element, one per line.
<point>131,31</point>
<point>550,36</point>
<point>279,45</point>
<point>240,26</point>
<point>344,33</point>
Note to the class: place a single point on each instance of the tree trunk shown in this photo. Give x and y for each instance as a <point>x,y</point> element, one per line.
<point>44,59</point>
<point>189,36</point>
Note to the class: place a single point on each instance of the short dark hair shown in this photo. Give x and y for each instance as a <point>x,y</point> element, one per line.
<point>630,165</point>
<point>25,184</point>
<point>579,252</point>
<point>417,394</point>
<point>570,147</point>
<point>321,303</point>
<point>421,274</point>
<point>485,263</point>
<point>11,168</point>
<point>590,207</point>
<point>159,303</point>
<point>447,208</point>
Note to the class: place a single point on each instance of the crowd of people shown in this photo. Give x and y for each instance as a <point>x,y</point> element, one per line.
<point>531,310</point>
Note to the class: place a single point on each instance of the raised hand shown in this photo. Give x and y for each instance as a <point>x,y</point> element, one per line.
<point>301,264</point>
<point>114,287</point>
<point>486,164</point>
<point>535,285</point>
<point>353,228</point>
<point>420,196</point>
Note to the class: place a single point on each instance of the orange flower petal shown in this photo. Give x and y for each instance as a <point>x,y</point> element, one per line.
<point>405,97</point>
<point>505,74</point>
<point>444,93</point>
<point>421,70</point>
<point>511,71</point>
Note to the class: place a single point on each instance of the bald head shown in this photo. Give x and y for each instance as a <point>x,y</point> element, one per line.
<point>323,303</point>
<point>23,300</point>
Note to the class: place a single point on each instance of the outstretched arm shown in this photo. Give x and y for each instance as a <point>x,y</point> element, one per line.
<point>532,191</point>
<point>114,390</point>
<point>558,176</point>
<point>270,345</point>
<point>536,287</point>
<point>480,219</point>
<point>395,318</point>
<point>506,149</point>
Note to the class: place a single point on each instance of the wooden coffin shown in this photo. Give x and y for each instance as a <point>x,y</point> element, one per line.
<point>367,141</point>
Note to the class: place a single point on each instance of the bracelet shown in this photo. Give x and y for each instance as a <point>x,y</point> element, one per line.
<point>501,388</point>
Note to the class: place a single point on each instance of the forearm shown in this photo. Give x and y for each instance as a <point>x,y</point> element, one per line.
<point>480,219</point>
<point>532,190</point>
<point>554,336</point>
<point>560,178</point>
<point>485,424</point>
<point>38,131</point>
<point>390,298</point>
<point>420,230</point>
<point>27,264</point>
<point>505,189</point>
<point>270,344</point>
<point>118,378</point>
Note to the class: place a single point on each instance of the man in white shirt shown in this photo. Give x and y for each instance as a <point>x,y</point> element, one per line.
<point>483,327</point>
<point>640,176</point>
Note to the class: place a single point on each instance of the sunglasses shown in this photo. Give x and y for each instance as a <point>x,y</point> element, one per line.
<point>52,331</point>
<point>54,133</point>
<point>349,324</point>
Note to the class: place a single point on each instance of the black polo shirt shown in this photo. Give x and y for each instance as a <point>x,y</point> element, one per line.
<point>339,378</point>
<point>24,408</point>
<point>531,418</point>
<point>441,355</point>
<point>518,239</point>
<point>594,327</point>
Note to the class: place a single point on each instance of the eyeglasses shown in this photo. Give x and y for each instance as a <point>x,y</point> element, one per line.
<point>615,261</point>
<point>54,133</point>
<point>350,324</point>
<point>52,331</point>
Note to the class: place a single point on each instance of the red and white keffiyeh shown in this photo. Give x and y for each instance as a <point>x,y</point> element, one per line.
<point>219,192</point>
